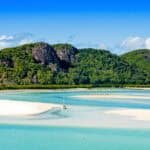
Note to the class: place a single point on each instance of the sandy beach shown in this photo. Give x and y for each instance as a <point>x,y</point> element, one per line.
<point>137,114</point>
<point>21,108</point>
<point>43,90</point>
<point>110,96</point>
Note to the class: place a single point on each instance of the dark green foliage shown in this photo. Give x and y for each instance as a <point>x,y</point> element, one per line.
<point>71,66</point>
<point>100,66</point>
<point>140,58</point>
<point>66,46</point>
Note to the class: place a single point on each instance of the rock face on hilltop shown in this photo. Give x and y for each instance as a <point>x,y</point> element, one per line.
<point>6,62</point>
<point>44,54</point>
<point>62,55</point>
<point>65,52</point>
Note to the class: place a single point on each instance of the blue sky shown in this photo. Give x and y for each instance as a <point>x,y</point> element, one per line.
<point>115,25</point>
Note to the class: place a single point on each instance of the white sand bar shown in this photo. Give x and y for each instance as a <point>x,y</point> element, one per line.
<point>21,108</point>
<point>137,114</point>
<point>109,96</point>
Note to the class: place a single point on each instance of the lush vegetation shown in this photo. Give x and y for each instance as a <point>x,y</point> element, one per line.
<point>89,86</point>
<point>40,65</point>
<point>140,58</point>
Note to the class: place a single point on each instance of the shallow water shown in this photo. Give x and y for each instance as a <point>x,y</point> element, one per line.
<point>62,138</point>
<point>84,125</point>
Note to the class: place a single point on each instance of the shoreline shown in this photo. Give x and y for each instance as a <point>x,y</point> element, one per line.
<point>68,89</point>
<point>59,87</point>
<point>44,90</point>
<point>22,108</point>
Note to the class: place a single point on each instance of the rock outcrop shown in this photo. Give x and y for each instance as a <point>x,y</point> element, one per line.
<point>57,56</point>
<point>65,52</point>
<point>44,54</point>
<point>7,62</point>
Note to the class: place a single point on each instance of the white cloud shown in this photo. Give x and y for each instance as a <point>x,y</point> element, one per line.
<point>133,43</point>
<point>147,43</point>
<point>5,37</point>
<point>5,41</point>
<point>14,40</point>
<point>4,44</point>
<point>25,41</point>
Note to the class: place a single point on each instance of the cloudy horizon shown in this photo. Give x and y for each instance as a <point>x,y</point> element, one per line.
<point>126,45</point>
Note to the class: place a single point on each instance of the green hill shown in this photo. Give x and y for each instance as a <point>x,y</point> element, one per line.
<point>140,58</point>
<point>41,63</point>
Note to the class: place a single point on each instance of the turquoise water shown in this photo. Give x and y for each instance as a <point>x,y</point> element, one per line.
<point>49,137</point>
<point>56,97</point>
<point>62,138</point>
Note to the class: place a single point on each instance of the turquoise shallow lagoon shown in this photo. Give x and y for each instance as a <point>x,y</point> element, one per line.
<point>61,138</point>
<point>84,125</point>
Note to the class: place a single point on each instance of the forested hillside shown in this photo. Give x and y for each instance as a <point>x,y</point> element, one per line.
<point>41,63</point>
<point>140,58</point>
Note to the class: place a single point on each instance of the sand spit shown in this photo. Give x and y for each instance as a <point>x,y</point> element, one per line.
<point>110,96</point>
<point>137,114</point>
<point>21,108</point>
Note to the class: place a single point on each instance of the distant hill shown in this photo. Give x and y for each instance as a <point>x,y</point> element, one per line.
<point>140,58</point>
<point>41,63</point>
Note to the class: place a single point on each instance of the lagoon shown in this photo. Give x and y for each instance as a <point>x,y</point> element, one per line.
<point>86,124</point>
